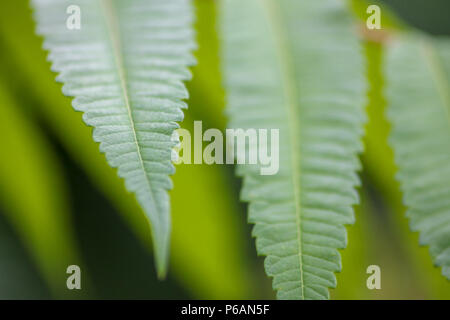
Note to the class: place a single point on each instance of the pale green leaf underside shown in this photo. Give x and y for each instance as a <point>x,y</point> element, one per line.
<point>418,92</point>
<point>125,68</point>
<point>295,65</point>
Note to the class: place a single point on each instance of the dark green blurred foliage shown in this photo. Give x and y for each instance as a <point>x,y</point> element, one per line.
<point>431,16</point>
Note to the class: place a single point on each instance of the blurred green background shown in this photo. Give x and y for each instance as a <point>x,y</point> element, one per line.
<point>60,204</point>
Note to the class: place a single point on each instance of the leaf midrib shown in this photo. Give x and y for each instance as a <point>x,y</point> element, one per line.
<point>115,38</point>
<point>290,92</point>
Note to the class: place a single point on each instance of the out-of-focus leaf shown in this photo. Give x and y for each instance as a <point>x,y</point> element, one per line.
<point>288,66</point>
<point>32,189</point>
<point>419,110</point>
<point>378,163</point>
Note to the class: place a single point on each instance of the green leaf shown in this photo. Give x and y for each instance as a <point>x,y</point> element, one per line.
<point>380,169</point>
<point>418,73</point>
<point>295,66</point>
<point>125,68</point>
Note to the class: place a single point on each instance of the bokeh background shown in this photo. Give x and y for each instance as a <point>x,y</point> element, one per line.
<point>60,203</point>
